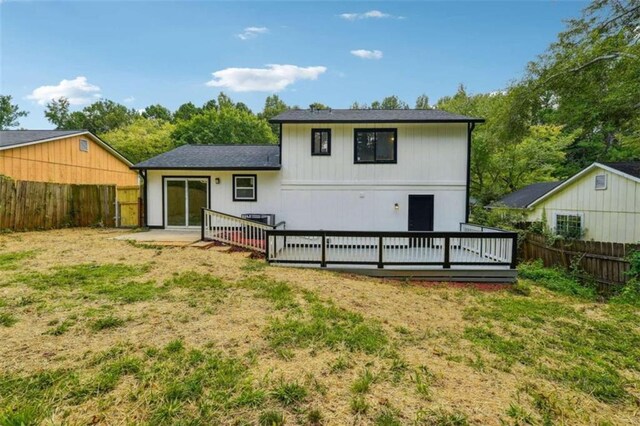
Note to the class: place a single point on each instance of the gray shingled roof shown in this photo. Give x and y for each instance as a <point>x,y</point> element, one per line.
<point>20,137</point>
<point>371,116</point>
<point>629,167</point>
<point>216,157</point>
<point>521,198</point>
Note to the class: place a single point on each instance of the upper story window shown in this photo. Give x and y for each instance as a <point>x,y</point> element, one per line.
<point>84,145</point>
<point>601,182</point>
<point>375,145</point>
<point>320,141</point>
<point>245,188</point>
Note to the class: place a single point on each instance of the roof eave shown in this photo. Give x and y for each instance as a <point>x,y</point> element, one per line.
<point>137,167</point>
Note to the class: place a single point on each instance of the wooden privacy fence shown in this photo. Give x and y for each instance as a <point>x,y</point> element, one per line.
<point>129,213</point>
<point>604,262</point>
<point>26,205</point>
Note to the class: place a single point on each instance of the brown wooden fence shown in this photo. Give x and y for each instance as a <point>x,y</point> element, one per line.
<point>26,205</point>
<point>604,262</point>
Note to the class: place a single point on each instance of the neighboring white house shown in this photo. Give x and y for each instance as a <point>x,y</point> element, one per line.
<point>600,203</point>
<point>374,170</point>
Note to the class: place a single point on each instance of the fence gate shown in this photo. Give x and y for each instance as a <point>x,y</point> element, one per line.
<point>128,212</point>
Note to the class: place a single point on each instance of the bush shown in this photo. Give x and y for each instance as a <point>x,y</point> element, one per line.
<point>521,288</point>
<point>555,279</point>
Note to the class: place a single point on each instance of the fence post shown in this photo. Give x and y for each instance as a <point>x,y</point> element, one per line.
<point>380,248</point>
<point>447,246</point>
<point>514,251</point>
<point>323,262</point>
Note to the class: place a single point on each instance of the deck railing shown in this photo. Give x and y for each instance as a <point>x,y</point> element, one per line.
<point>382,249</point>
<point>235,230</point>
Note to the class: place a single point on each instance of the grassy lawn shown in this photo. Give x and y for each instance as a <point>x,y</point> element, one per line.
<point>100,331</point>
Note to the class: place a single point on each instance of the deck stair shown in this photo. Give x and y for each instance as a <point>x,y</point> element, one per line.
<point>236,231</point>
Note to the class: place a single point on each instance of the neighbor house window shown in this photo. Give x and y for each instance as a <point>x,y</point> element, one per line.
<point>601,182</point>
<point>84,145</point>
<point>569,226</point>
<point>375,145</point>
<point>320,141</point>
<point>245,188</point>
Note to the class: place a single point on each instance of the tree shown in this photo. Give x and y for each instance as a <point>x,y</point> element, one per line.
<point>9,113</point>
<point>223,126</point>
<point>157,112</point>
<point>318,106</point>
<point>422,102</point>
<point>273,106</point>
<point>142,139</point>
<point>588,81</point>
<point>186,112</point>
<point>99,117</point>
<point>390,102</point>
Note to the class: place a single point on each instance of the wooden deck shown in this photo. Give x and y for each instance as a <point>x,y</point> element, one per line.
<point>471,255</point>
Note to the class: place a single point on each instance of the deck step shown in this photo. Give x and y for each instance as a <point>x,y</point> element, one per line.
<point>203,244</point>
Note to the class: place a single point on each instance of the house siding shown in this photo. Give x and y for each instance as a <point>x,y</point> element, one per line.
<point>333,193</point>
<point>61,161</point>
<point>611,215</point>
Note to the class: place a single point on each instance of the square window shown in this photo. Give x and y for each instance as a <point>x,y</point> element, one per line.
<point>601,182</point>
<point>320,141</point>
<point>375,145</point>
<point>245,188</point>
<point>84,145</point>
<point>569,226</point>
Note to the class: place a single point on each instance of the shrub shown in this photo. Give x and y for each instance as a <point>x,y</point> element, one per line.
<point>555,280</point>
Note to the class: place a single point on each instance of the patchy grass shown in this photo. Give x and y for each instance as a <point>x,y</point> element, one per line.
<point>96,330</point>
<point>11,260</point>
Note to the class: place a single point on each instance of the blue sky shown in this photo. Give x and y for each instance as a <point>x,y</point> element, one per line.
<point>144,52</point>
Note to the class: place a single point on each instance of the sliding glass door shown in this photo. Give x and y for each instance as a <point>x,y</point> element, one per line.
<point>184,198</point>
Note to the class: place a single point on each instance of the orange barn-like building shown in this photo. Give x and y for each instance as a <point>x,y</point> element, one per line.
<point>63,156</point>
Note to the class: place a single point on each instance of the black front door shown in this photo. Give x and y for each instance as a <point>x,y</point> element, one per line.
<point>420,212</point>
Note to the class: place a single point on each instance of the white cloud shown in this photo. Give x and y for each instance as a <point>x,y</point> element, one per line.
<point>78,91</point>
<point>372,14</point>
<point>367,54</point>
<point>272,78</point>
<point>252,32</point>
<point>129,99</point>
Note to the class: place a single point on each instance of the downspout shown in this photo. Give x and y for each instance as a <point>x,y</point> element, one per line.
<point>143,175</point>
<point>470,127</point>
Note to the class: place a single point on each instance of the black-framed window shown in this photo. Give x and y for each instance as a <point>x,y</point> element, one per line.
<point>320,141</point>
<point>245,188</point>
<point>375,145</point>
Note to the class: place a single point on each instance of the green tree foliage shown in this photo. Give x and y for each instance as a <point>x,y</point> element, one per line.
<point>318,106</point>
<point>390,102</point>
<point>157,112</point>
<point>422,102</point>
<point>187,111</point>
<point>9,113</point>
<point>589,81</point>
<point>223,126</point>
<point>273,106</point>
<point>99,117</point>
<point>142,139</point>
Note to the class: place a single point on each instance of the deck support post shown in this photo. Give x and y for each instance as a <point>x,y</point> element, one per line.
<point>380,249</point>
<point>323,262</point>
<point>447,247</point>
<point>202,224</point>
<point>266,245</point>
<point>514,251</point>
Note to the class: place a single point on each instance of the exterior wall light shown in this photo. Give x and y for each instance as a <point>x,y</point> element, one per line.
<point>217,181</point>
<point>396,206</point>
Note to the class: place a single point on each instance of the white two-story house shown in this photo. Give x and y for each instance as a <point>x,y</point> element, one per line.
<point>365,170</point>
